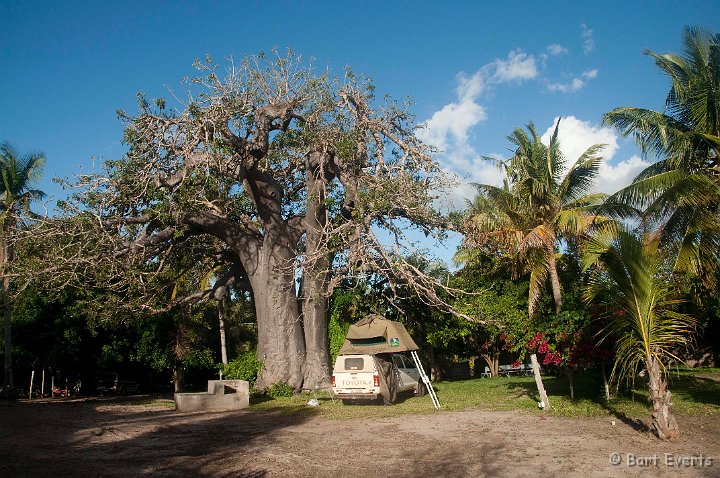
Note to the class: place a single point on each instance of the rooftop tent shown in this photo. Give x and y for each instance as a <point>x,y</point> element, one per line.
<point>376,335</point>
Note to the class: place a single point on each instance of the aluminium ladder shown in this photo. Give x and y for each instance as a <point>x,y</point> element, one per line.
<point>426,380</point>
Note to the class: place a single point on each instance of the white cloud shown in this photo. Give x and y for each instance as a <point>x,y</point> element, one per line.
<point>576,136</point>
<point>470,87</point>
<point>447,129</point>
<point>571,87</point>
<point>452,122</point>
<point>588,41</point>
<point>576,84</point>
<point>556,49</point>
<point>450,128</point>
<point>519,66</point>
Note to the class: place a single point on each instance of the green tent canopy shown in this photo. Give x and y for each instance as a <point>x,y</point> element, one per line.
<point>376,335</point>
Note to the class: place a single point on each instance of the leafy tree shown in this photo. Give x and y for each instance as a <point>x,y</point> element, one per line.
<point>536,208</point>
<point>680,193</point>
<point>19,175</point>
<point>498,303</point>
<point>50,334</point>
<point>628,279</point>
<point>277,174</point>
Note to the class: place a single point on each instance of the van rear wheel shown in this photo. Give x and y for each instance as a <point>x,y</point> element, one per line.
<point>421,389</point>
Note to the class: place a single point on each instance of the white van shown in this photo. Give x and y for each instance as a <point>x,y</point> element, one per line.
<point>360,377</point>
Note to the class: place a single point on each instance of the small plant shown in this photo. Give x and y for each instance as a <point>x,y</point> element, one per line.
<point>244,367</point>
<point>279,390</point>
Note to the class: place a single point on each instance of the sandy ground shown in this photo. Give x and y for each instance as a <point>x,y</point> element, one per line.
<point>124,438</point>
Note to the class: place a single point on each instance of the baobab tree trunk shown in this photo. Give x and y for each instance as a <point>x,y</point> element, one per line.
<point>315,299</point>
<point>281,347</point>
<point>316,369</point>
<point>663,420</point>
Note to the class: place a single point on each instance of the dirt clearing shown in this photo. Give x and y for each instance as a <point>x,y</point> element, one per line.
<point>141,437</point>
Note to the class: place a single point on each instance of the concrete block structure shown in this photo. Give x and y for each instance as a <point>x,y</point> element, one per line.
<point>222,395</point>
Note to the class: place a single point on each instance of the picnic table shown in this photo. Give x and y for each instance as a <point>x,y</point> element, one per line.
<point>522,369</point>
<point>507,370</point>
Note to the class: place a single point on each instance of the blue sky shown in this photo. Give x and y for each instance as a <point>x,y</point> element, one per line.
<point>475,69</point>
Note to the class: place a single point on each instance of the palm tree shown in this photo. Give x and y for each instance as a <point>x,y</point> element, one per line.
<point>536,207</point>
<point>680,193</point>
<point>628,278</point>
<point>16,193</point>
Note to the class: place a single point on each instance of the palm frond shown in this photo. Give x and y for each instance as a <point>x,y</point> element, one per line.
<point>679,190</point>
<point>654,132</point>
<point>538,279</point>
<point>643,192</point>
<point>540,237</point>
<point>579,179</point>
<point>627,277</point>
<point>18,176</point>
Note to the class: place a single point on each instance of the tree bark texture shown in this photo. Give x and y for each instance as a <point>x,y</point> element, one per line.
<point>315,302</point>
<point>606,384</point>
<point>493,361</point>
<point>554,279</point>
<point>281,347</point>
<point>663,421</point>
<point>435,372</point>
<point>316,369</point>
<point>178,378</point>
<point>221,326</point>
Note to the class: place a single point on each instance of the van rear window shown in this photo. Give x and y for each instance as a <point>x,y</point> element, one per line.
<point>354,363</point>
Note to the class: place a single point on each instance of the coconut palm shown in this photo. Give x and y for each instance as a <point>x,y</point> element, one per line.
<point>680,193</point>
<point>628,279</point>
<point>536,207</point>
<point>18,176</point>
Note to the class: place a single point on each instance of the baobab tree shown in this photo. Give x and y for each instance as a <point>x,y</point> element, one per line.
<point>291,179</point>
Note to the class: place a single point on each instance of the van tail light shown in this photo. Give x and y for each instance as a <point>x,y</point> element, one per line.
<point>333,380</point>
<point>376,379</point>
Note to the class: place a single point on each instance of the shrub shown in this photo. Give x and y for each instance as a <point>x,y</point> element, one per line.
<point>336,333</point>
<point>244,367</point>
<point>279,390</point>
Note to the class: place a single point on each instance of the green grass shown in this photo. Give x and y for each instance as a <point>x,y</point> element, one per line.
<point>695,392</point>
<point>157,403</point>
